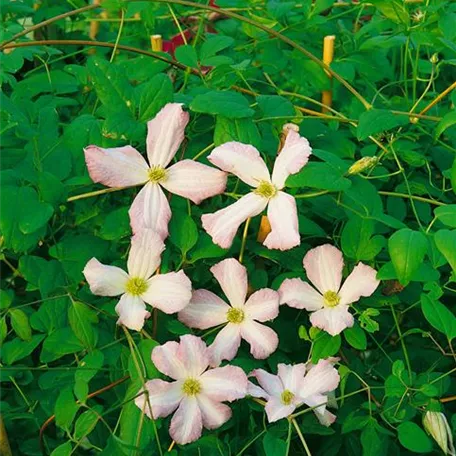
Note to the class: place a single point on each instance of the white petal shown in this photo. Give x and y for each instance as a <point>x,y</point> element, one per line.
<point>275,409</point>
<point>194,354</point>
<point>242,160</point>
<point>263,340</point>
<point>204,311</point>
<point>105,280</point>
<point>232,277</point>
<point>299,294</point>
<point>332,319</point>
<point>145,253</point>
<point>283,218</point>
<point>292,376</point>
<point>226,344</point>
<point>263,305</point>
<point>214,413</point>
<point>187,423</point>
<point>226,383</point>
<point>323,267</point>
<point>132,312</point>
<point>270,383</point>
<point>319,401</point>
<point>166,359</point>
<point>321,379</point>
<point>165,133</point>
<point>361,282</point>
<point>194,180</point>
<point>223,224</point>
<point>256,391</point>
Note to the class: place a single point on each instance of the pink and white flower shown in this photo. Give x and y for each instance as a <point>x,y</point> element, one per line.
<point>125,167</point>
<point>197,393</point>
<point>241,317</point>
<point>329,305</point>
<point>294,386</point>
<point>245,162</point>
<point>169,292</point>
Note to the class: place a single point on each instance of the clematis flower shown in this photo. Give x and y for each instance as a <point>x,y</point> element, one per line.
<point>125,167</point>
<point>169,292</point>
<point>196,393</point>
<point>329,305</point>
<point>245,162</point>
<point>294,386</point>
<point>241,317</point>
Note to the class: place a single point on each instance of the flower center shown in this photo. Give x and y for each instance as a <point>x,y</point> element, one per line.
<point>266,190</point>
<point>157,174</point>
<point>191,387</point>
<point>235,315</point>
<point>136,286</point>
<point>287,397</point>
<point>332,299</point>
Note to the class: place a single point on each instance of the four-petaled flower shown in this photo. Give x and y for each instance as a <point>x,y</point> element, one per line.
<point>207,310</point>
<point>169,292</point>
<point>125,166</point>
<point>197,393</point>
<point>246,163</point>
<point>294,386</point>
<point>329,305</point>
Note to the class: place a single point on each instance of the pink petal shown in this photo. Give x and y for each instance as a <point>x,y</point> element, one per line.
<point>361,282</point>
<point>256,391</point>
<point>299,294</point>
<point>263,305</point>
<point>214,413</point>
<point>194,355</point>
<point>226,383</point>
<point>132,312</point>
<point>263,340</point>
<point>204,311</point>
<point>293,156</point>
<point>166,359</point>
<point>275,409</point>
<point>223,224</point>
<point>292,376</point>
<point>226,344</point>
<point>323,267</point>
<point>321,379</point>
<point>169,292</point>
<point>105,280</point>
<point>194,180</point>
<point>145,251</point>
<point>232,277</point>
<point>283,217</point>
<point>117,167</point>
<point>150,209</point>
<point>187,423</point>
<point>270,383</point>
<point>319,402</point>
<point>165,133</point>
<point>242,160</point>
<point>333,320</point>
<point>164,398</point>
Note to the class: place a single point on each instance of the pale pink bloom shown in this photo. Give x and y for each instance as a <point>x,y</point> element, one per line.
<point>245,162</point>
<point>169,292</point>
<point>241,317</point>
<point>294,386</point>
<point>329,305</point>
<point>125,167</point>
<point>197,393</point>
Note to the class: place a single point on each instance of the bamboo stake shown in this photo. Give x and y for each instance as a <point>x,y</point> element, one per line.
<point>156,43</point>
<point>328,55</point>
<point>94,26</point>
<point>5,448</point>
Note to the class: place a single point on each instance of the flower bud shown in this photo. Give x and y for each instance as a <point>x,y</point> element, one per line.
<point>434,58</point>
<point>362,164</point>
<point>436,424</point>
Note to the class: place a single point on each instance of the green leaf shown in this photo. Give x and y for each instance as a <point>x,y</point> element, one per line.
<point>272,445</point>
<point>183,232</point>
<point>407,249</point>
<point>325,346</point>
<point>63,450</point>
<point>414,438</point>
<point>276,106</point>
<point>393,9</point>
<point>445,241</point>
<point>376,121</point>
<point>87,369</point>
<point>357,241</point>
<point>20,324</point>
<point>116,224</point>
<point>371,441</point>
<point>453,176</point>
<point>205,248</point>
<point>186,54</point>
<point>228,104</point>
<point>212,45</point>
<point>447,215</point>
<point>356,337</point>
<point>18,349</point>
<point>65,409</point>
<point>82,319</point>
<point>60,343</point>
<point>439,316</point>
<point>367,322</point>
<point>3,329</point>
<point>86,423</point>
<point>319,175</point>
<point>154,95</point>
<point>448,120</point>
<point>6,298</point>
<point>148,370</point>
<point>241,130</point>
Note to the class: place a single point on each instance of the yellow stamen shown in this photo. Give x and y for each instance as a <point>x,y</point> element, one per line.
<point>332,299</point>
<point>266,190</point>
<point>287,397</point>
<point>157,174</point>
<point>235,315</point>
<point>136,286</point>
<point>191,387</point>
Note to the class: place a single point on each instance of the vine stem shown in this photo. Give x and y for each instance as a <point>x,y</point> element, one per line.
<point>244,239</point>
<point>95,193</point>
<point>439,97</point>
<point>404,348</point>
<point>301,437</point>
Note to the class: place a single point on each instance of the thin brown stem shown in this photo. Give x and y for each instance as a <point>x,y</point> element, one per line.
<point>438,98</point>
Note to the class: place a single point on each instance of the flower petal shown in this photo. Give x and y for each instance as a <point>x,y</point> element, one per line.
<point>105,280</point>
<point>323,267</point>
<point>293,156</point>
<point>275,409</point>
<point>204,311</point>
<point>165,133</point>
<point>263,305</point>
<point>223,224</point>
<point>164,398</point>
<point>242,160</point>
<point>117,167</point>
<point>187,423</point>
<point>150,209</point>
<point>292,376</point>
<point>226,383</point>
<point>283,218</point>
<point>194,355</point>
<point>361,282</point>
<point>321,379</point>
<point>132,312</point>
<point>232,277</point>
<point>299,294</point>
<point>169,292</point>
<point>319,401</point>
<point>226,344</point>
<point>166,359</point>
<point>145,251</point>
<point>270,383</point>
<point>214,413</point>
<point>263,340</point>
<point>195,181</point>
<point>256,391</point>
<point>332,319</point>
